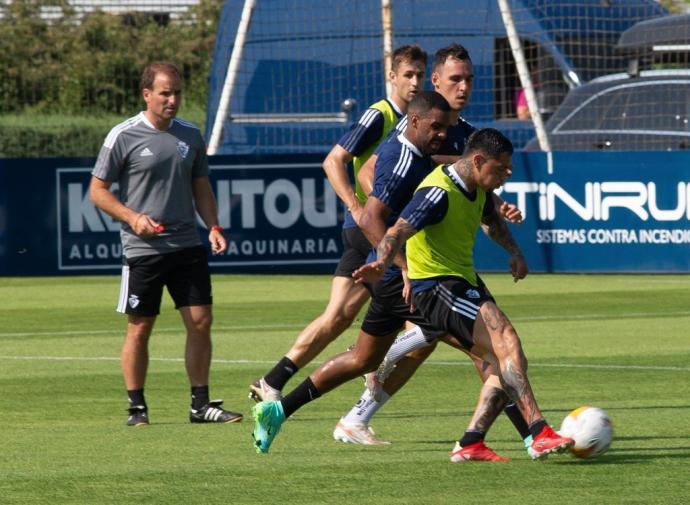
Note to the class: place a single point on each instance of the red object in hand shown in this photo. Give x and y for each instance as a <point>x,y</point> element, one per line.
<point>159,228</point>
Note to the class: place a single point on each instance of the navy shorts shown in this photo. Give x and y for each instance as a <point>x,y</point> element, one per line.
<point>356,248</point>
<point>185,273</point>
<point>388,311</point>
<point>452,305</point>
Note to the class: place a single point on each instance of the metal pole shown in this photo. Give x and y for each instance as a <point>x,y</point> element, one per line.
<point>524,74</point>
<point>231,76</point>
<point>386,17</point>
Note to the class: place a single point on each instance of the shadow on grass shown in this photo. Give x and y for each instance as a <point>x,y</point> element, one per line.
<point>623,409</point>
<point>634,456</point>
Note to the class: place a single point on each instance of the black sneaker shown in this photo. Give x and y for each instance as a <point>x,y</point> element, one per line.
<point>138,416</point>
<point>212,413</point>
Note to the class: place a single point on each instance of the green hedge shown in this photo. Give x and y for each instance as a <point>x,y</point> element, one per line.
<point>38,141</point>
<point>36,136</point>
<point>56,76</point>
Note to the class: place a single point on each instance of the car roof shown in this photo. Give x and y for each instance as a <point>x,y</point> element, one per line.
<point>670,73</point>
<point>663,31</point>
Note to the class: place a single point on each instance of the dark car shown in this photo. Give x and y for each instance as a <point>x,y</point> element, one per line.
<point>640,110</point>
<point>649,112</point>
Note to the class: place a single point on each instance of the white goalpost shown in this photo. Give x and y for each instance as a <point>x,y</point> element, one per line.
<point>230,77</point>
<point>524,74</point>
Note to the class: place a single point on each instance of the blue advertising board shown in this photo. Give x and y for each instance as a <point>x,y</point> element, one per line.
<point>280,215</point>
<point>599,212</point>
<point>584,212</point>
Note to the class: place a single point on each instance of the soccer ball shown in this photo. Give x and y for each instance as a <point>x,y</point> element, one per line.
<point>591,429</point>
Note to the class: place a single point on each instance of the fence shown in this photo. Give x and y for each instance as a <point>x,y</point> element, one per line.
<point>289,76</point>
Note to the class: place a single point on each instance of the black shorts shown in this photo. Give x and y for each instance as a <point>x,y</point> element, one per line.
<point>356,248</point>
<point>452,305</point>
<point>388,311</point>
<point>185,273</point>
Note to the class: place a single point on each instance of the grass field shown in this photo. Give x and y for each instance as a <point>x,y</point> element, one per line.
<point>618,342</point>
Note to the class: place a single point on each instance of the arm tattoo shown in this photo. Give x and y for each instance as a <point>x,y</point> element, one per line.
<point>392,242</point>
<point>498,232</point>
<point>405,228</point>
<point>388,247</point>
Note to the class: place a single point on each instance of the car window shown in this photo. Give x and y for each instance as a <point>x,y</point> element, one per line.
<point>647,110</point>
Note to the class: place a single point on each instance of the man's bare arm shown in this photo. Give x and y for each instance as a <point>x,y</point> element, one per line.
<point>387,249</point>
<point>393,240</point>
<point>373,225</point>
<point>497,230</point>
<point>206,206</point>
<point>365,176</point>
<point>335,166</point>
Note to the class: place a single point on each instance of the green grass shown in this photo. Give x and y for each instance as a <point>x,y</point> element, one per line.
<point>618,342</point>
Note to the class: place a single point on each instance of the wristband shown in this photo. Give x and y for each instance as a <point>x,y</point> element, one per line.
<point>216,227</point>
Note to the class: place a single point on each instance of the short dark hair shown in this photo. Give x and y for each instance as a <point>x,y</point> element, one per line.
<point>424,101</point>
<point>155,68</point>
<point>489,141</point>
<point>408,53</point>
<point>452,51</point>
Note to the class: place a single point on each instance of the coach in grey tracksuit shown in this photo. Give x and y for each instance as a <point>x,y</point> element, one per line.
<point>159,163</point>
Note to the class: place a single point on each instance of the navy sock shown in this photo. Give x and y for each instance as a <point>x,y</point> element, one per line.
<point>199,396</point>
<point>536,427</point>
<point>136,397</point>
<point>301,395</point>
<point>471,437</point>
<point>518,421</point>
<point>281,373</point>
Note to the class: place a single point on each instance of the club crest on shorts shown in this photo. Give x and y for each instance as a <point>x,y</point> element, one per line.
<point>182,148</point>
<point>472,293</point>
<point>133,301</point>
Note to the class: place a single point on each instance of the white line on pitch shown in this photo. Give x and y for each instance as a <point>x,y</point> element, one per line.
<point>287,327</point>
<point>628,315</point>
<point>591,366</point>
<point>113,358</point>
<point>118,331</point>
<point>437,363</point>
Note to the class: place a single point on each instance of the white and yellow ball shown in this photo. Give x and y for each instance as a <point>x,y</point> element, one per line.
<point>591,429</point>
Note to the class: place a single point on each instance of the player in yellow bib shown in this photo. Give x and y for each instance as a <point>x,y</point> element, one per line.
<point>452,77</point>
<point>439,225</point>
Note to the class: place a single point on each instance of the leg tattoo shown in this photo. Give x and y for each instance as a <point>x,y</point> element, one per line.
<point>491,403</point>
<point>518,389</point>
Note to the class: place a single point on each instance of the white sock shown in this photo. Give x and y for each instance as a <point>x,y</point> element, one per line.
<point>365,408</point>
<point>408,341</point>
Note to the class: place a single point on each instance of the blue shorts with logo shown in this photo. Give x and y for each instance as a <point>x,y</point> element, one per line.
<point>451,304</point>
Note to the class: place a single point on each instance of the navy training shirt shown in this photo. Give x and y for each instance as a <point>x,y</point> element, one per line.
<point>400,168</point>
